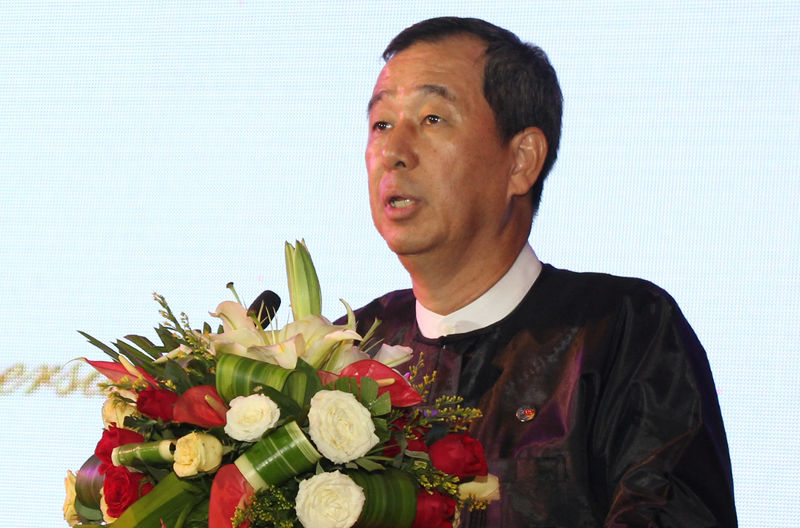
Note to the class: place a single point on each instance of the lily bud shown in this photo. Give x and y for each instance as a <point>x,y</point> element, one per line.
<point>304,291</point>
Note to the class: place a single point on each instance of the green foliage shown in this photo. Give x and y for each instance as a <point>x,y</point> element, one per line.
<point>269,508</point>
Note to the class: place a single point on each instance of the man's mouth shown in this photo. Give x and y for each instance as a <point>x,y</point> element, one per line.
<point>400,203</point>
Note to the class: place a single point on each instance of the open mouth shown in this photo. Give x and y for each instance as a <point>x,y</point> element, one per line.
<point>399,202</point>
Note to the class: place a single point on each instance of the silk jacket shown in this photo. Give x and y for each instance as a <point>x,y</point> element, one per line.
<point>599,405</point>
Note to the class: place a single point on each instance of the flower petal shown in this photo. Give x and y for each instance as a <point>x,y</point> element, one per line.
<point>229,490</point>
<point>116,371</point>
<point>401,392</point>
<point>193,408</point>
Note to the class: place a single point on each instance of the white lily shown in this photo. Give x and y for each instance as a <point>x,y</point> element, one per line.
<point>234,316</point>
<point>393,355</point>
<point>343,356</point>
<point>283,354</point>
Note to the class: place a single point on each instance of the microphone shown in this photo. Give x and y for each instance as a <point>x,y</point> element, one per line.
<point>265,306</point>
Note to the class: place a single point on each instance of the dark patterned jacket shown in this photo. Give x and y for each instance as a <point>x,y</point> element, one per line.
<point>626,427</point>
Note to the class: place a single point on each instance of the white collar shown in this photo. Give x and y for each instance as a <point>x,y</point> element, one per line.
<point>496,303</point>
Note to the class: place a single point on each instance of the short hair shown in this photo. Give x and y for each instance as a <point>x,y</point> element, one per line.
<point>519,83</point>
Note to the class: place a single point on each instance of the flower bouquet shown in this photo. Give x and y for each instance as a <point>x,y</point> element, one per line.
<point>253,426</point>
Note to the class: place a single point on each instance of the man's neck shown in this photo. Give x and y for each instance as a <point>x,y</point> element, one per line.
<point>445,285</point>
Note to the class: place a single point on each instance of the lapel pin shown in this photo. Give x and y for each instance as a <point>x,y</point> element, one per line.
<point>525,414</point>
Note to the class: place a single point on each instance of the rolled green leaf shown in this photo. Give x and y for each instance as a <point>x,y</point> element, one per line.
<point>277,457</point>
<point>88,483</point>
<point>238,376</point>
<point>172,499</point>
<point>391,498</point>
<point>158,453</point>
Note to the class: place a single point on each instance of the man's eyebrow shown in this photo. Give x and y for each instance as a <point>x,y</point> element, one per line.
<point>432,89</point>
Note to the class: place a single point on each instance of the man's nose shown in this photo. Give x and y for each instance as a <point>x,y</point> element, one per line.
<point>399,150</point>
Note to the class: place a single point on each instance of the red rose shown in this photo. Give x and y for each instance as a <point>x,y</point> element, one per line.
<point>416,441</point>
<point>459,454</point>
<point>434,510</point>
<point>156,403</point>
<point>123,487</point>
<point>113,437</point>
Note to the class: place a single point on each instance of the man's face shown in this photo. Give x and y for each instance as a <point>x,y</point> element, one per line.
<point>438,171</point>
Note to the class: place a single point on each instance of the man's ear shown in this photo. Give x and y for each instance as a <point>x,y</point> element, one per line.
<point>529,148</point>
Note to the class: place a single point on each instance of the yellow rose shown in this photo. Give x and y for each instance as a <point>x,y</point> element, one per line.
<point>196,453</point>
<point>485,488</point>
<point>116,408</point>
<point>104,508</point>
<point>70,514</point>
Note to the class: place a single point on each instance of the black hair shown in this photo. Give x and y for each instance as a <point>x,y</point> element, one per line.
<point>519,83</point>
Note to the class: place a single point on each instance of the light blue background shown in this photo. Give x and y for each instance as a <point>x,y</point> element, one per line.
<point>173,147</point>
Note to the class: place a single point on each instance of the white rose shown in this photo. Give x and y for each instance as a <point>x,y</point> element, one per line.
<point>70,514</point>
<point>195,453</point>
<point>340,426</point>
<point>250,417</point>
<point>329,500</point>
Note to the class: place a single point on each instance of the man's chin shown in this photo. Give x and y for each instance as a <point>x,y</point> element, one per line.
<point>407,247</point>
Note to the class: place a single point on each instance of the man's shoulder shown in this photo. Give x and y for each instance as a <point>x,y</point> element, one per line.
<point>598,287</point>
<point>394,302</point>
<point>398,304</point>
<point>569,297</point>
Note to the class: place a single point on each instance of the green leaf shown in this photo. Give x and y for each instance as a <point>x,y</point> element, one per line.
<point>382,405</point>
<point>391,498</point>
<point>166,336</point>
<point>169,501</point>
<point>279,456</point>
<point>382,430</point>
<point>288,406</point>
<point>145,344</point>
<point>239,376</point>
<point>368,464</point>
<point>136,356</point>
<point>102,346</point>
<point>304,383</point>
<point>176,374</point>
<point>347,385</point>
<point>369,390</point>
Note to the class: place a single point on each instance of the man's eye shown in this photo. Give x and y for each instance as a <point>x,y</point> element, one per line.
<point>432,119</point>
<point>381,125</point>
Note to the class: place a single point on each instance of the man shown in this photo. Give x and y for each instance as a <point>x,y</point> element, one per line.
<point>599,406</point>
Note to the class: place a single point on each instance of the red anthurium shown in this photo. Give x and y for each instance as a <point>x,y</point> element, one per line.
<point>116,371</point>
<point>228,491</point>
<point>327,377</point>
<point>201,406</point>
<point>400,391</point>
